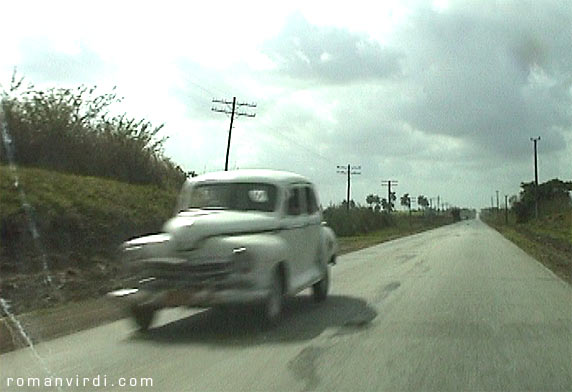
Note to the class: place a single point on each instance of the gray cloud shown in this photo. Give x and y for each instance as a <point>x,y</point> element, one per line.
<point>492,76</point>
<point>329,54</point>
<point>474,82</point>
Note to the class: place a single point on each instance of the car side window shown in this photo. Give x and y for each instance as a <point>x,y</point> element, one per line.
<point>294,207</point>
<point>311,201</point>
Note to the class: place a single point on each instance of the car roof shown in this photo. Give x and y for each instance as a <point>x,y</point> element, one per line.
<point>251,175</point>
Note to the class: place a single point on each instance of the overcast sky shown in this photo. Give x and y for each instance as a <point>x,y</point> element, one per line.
<point>442,97</point>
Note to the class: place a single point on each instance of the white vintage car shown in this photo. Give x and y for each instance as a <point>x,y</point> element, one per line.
<point>239,237</point>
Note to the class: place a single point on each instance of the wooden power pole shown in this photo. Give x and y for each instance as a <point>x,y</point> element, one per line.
<point>233,112</point>
<point>349,170</point>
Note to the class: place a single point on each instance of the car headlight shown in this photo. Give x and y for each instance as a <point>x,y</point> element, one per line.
<point>242,259</point>
<point>138,247</point>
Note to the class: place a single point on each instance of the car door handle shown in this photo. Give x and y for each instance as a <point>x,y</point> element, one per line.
<point>298,226</point>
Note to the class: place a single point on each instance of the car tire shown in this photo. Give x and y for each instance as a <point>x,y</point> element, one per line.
<point>320,289</point>
<point>272,308</point>
<point>143,316</point>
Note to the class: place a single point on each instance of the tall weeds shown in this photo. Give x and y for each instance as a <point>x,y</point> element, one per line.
<point>73,131</point>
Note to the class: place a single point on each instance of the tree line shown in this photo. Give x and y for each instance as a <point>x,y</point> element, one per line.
<point>553,196</point>
<point>360,219</point>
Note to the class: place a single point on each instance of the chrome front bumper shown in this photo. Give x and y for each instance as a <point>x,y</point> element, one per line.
<point>170,282</point>
<point>205,297</point>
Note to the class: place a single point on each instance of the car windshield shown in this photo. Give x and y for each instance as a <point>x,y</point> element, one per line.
<point>233,196</point>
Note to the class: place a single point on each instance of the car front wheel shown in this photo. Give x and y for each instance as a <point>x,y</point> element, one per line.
<point>273,303</point>
<point>320,288</point>
<point>143,316</point>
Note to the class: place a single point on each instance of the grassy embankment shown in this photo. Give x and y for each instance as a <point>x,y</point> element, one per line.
<point>548,239</point>
<point>81,221</point>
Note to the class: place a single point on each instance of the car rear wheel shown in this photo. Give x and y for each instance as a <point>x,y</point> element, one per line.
<point>143,316</point>
<point>320,289</point>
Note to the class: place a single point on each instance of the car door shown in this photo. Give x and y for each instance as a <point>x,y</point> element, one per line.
<point>293,232</point>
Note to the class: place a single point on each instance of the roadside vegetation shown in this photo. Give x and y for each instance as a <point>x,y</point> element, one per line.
<point>76,179</point>
<point>73,130</point>
<point>547,238</point>
<point>360,226</point>
<point>80,222</point>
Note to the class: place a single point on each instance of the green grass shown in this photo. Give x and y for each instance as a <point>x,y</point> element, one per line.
<point>83,215</point>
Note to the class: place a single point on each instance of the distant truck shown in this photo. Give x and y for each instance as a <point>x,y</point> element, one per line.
<point>239,237</point>
<point>468,214</point>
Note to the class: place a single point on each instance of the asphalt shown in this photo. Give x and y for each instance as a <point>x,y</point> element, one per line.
<point>458,308</point>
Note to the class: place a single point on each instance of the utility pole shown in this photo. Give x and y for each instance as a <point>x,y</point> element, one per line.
<point>497,200</point>
<point>233,113</point>
<point>388,184</point>
<point>535,140</point>
<point>349,170</point>
<point>409,207</point>
<point>412,201</point>
<point>506,209</point>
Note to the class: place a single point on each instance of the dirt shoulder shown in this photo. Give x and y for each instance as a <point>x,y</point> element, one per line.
<point>552,251</point>
<point>73,299</point>
<point>54,322</point>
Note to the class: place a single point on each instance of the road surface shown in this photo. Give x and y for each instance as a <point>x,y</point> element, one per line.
<point>457,308</point>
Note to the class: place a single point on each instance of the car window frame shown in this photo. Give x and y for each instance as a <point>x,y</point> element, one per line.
<point>309,190</point>
<point>301,201</point>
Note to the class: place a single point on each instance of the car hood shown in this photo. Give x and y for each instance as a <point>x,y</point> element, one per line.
<point>188,227</point>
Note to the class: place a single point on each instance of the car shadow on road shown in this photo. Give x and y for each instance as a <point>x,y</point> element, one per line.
<point>302,319</point>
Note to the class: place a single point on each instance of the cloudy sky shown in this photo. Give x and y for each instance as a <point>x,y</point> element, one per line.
<point>441,96</point>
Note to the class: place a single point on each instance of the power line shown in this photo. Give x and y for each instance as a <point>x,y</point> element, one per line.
<point>233,112</point>
<point>305,148</point>
<point>209,91</point>
<point>279,133</point>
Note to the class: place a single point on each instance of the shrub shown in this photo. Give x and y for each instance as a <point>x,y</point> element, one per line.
<point>358,220</point>
<point>72,130</point>
<point>456,214</point>
<point>553,195</point>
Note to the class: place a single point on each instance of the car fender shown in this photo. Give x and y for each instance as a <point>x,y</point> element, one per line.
<point>329,245</point>
<point>267,249</point>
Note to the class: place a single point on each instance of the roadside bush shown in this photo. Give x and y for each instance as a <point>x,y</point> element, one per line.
<point>72,130</point>
<point>358,220</point>
<point>553,196</point>
<point>456,214</point>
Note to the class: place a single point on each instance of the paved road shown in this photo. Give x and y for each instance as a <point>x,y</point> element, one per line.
<point>456,308</point>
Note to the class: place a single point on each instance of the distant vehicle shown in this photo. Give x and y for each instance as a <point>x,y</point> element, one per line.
<point>239,237</point>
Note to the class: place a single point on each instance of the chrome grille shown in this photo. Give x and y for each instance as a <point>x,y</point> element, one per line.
<point>187,273</point>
